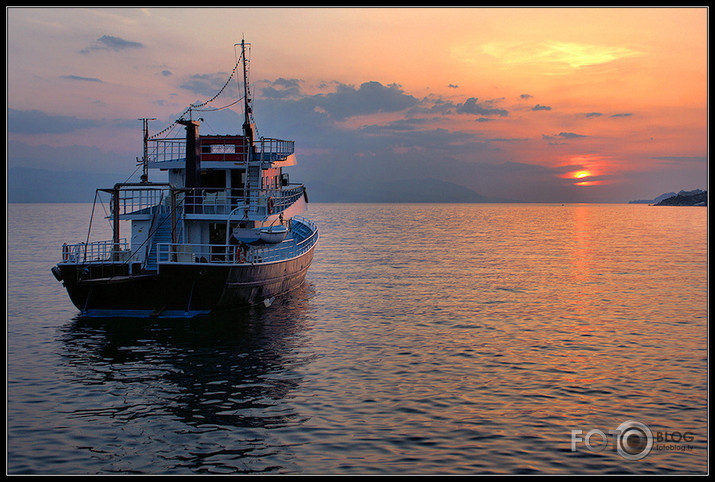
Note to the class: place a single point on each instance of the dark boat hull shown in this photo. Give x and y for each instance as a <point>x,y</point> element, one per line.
<point>179,290</point>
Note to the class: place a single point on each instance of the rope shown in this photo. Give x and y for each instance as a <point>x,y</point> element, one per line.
<point>214,109</point>
<point>233,72</point>
<point>202,104</point>
<point>169,127</point>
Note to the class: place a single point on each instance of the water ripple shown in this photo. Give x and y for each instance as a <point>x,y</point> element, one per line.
<point>394,358</point>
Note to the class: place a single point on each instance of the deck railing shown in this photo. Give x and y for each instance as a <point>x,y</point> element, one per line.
<point>144,200</point>
<point>273,150</point>
<point>169,149</point>
<point>222,201</point>
<point>170,253</point>
<point>95,252</point>
<point>263,202</point>
<point>266,149</point>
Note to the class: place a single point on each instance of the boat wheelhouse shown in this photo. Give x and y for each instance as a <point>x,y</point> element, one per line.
<point>224,231</point>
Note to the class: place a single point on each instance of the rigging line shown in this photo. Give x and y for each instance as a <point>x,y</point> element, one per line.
<point>210,127</point>
<point>162,131</point>
<point>106,214</point>
<point>195,106</point>
<point>171,126</point>
<point>233,72</point>
<point>132,174</point>
<point>89,230</point>
<point>213,109</point>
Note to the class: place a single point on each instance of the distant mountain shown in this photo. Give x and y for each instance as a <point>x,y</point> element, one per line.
<point>27,185</point>
<point>696,197</point>
<point>397,191</point>
<point>654,201</point>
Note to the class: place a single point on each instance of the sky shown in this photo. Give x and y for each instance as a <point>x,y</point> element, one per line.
<point>538,105</point>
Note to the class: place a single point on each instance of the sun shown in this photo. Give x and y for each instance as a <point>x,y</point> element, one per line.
<point>583,177</point>
<point>582,174</point>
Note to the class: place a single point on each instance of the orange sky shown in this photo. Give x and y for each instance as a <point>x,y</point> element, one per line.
<point>620,93</point>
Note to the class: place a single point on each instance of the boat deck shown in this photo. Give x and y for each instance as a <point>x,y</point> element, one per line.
<point>301,237</point>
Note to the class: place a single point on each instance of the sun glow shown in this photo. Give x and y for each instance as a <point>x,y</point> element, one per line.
<point>575,55</point>
<point>581,174</point>
<point>583,177</point>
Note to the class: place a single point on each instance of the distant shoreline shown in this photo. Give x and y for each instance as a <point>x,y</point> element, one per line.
<point>696,197</point>
<point>686,198</point>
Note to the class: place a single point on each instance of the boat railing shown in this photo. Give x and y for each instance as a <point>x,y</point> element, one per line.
<point>168,149</point>
<point>272,150</point>
<point>227,254</point>
<point>96,252</point>
<point>290,248</point>
<point>146,200</point>
<point>266,149</point>
<point>212,201</point>
<point>277,200</point>
<point>313,227</point>
<point>222,201</point>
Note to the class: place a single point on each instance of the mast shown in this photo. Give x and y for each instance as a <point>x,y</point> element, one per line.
<point>247,125</point>
<point>145,157</point>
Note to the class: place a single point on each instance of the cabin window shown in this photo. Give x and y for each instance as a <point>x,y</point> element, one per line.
<point>223,148</point>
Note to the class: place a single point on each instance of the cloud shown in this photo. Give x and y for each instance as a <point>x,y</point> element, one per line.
<point>36,122</point>
<point>682,159</point>
<point>573,54</point>
<point>205,84</point>
<point>472,106</point>
<point>335,150</point>
<point>282,88</point>
<point>331,150</point>
<point>407,124</point>
<point>541,107</point>
<point>599,114</point>
<point>82,79</point>
<point>509,139</point>
<point>516,180</point>
<point>370,98</point>
<point>108,42</point>
<point>433,104</point>
<point>563,135</point>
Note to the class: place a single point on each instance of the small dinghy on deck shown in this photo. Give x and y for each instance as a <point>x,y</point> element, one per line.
<point>274,234</point>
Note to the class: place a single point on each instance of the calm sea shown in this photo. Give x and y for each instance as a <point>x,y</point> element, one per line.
<point>428,339</point>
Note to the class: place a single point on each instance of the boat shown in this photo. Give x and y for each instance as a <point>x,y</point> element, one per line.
<point>224,231</point>
<point>274,234</point>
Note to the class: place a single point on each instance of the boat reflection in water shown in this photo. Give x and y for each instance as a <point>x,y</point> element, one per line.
<point>178,394</point>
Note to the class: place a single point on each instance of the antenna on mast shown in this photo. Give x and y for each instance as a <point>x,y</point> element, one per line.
<point>145,157</point>
<point>247,124</point>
